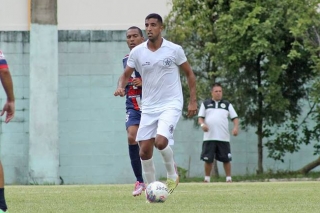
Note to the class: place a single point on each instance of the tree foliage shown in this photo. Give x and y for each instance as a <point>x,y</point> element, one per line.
<point>263,52</point>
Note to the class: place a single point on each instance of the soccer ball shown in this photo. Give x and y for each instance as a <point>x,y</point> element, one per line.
<point>156,192</point>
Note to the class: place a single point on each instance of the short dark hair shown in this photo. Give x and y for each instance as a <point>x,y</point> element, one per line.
<point>137,28</point>
<point>217,84</point>
<point>155,16</point>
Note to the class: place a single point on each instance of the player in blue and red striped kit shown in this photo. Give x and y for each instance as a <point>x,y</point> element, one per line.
<point>133,97</point>
<point>8,108</point>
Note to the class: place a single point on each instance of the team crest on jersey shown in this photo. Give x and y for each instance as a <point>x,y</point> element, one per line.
<point>167,62</point>
<point>223,105</point>
<point>171,129</point>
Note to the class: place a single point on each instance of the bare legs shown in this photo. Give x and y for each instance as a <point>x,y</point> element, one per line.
<point>208,168</point>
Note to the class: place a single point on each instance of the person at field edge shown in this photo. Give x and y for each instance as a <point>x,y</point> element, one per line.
<point>8,109</point>
<point>158,61</point>
<point>133,92</point>
<point>213,119</point>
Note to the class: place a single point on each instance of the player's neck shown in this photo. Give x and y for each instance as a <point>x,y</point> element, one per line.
<point>155,45</point>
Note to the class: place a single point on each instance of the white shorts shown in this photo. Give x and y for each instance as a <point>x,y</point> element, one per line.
<point>160,123</point>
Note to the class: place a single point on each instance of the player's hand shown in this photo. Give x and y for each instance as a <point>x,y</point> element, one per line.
<point>9,109</point>
<point>137,82</point>
<point>120,92</point>
<point>205,128</point>
<point>192,108</point>
<point>235,131</point>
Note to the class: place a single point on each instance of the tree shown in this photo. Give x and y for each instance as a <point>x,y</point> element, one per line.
<point>307,131</point>
<point>256,49</point>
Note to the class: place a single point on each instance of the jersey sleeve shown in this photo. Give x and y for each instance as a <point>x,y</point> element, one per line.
<point>131,59</point>
<point>232,112</point>
<point>202,111</point>
<point>124,61</point>
<point>3,62</point>
<point>181,56</point>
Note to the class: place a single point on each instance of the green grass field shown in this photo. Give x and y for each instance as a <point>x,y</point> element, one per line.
<point>188,197</point>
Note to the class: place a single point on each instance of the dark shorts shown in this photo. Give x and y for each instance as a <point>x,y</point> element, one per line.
<point>216,150</point>
<point>133,117</point>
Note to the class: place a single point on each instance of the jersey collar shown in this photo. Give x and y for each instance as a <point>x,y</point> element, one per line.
<point>164,43</point>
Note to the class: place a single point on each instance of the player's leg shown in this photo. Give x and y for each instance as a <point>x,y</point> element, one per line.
<point>166,125</point>
<point>207,172</point>
<point>161,143</point>
<point>207,155</point>
<point>146,153</point>
<point>132,124</point>
<point>227,169</point>
<point>224,155</point>
<point>3,205</point>
<point>134,152</point>
<point>135,160</point>
<point>146,136</point>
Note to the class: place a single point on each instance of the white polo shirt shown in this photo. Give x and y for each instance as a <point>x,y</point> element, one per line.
<point>159,70</point>
<point>216,114</point>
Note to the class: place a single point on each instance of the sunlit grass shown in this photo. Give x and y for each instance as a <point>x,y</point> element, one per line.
<point>188,197</point>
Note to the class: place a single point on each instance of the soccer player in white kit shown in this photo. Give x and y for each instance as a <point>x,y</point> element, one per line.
<point>158,62</point>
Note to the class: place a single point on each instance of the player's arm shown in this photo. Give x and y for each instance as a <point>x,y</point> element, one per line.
<point>201,118</point>
<point>7,84</point>
<point>235,126</point>
<point>203,125</point>
<point>234,117</point>
<point>137,82</point>
<point>123,80</point>
<point>192,107</point>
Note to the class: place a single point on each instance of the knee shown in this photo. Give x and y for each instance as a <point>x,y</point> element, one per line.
<point>131,140</point>
<point>161,142</point>
<point>142,154</point>
<point>145,154</point>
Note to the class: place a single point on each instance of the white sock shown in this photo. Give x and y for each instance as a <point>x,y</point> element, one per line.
<point>228,178</point>
<point>167,155</point>
<point>207,178</point>
<point>148,170</point>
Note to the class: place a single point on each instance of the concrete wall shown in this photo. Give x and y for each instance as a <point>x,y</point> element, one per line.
<point>92,136</point>
<point>15,135</point>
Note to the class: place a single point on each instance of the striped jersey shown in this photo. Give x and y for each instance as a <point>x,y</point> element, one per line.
<point>133,93</point>
<point>3,62</point>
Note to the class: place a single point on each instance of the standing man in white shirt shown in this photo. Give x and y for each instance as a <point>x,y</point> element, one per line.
<point>158,62</point>
<point>213,119</point>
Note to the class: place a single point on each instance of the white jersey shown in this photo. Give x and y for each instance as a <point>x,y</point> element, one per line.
<point>216,114</point>
<point>160,75</point>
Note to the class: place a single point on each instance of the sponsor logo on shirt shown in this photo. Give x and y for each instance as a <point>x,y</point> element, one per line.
<point>167,62</point>
<point>223,105</point>
<point>146,64</point>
